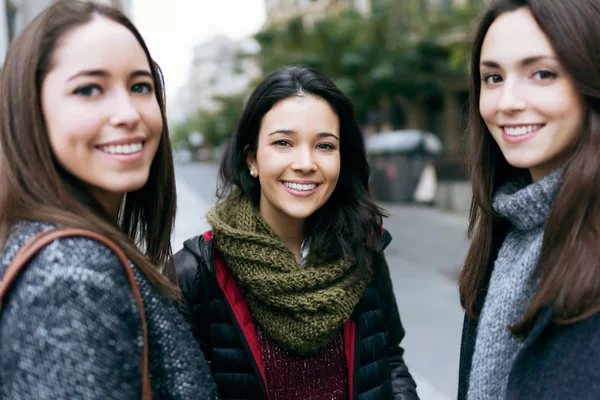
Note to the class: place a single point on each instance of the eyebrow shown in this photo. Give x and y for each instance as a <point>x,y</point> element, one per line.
<point>292,132</point>
<point>103,73</point>
<point>524,62</point>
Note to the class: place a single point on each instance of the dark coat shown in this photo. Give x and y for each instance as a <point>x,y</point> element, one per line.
<point>555,362</point>
<point>224,328</point>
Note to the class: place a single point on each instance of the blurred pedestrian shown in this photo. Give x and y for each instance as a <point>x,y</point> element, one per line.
<point>531,281</point>
<point>84,144</point>
<point>290,294</point>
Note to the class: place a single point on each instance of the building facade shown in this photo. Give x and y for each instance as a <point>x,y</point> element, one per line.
<point>220,66</point>
<point>279,11</point>
<point>15,14</point>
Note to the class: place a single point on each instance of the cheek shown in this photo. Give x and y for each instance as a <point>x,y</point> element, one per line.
<point>558,108</point>
<point>487,106</point>
<point>152,117</point>
<point>330,166</point>
<point>270,163</point>
<point>67,134</point>
<point>69,124</point>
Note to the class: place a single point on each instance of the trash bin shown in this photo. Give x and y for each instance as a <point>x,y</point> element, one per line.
<point>397,160</point>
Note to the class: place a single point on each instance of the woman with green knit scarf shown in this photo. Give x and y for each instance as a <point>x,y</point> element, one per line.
<point>289,294</point>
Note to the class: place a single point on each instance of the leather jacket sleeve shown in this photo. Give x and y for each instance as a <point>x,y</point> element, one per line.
<point>403,385</point>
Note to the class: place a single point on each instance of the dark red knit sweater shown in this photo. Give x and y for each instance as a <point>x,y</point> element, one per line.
<point>321,377</point>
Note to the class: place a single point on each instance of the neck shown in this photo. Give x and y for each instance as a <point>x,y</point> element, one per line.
<point>110,201</point>
<point>289,230</point>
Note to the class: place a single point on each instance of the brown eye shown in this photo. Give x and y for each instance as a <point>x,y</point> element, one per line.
<point>543,75</point>
<point>281,143</point>
<point>491,79</point>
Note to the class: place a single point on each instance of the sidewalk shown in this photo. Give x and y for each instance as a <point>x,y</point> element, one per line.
<point>190,220</point>
<point>427,249</point>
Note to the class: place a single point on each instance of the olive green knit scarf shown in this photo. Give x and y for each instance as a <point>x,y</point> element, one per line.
<point>300,308</point>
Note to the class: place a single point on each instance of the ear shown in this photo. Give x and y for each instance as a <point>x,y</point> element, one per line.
<point>250,158</point>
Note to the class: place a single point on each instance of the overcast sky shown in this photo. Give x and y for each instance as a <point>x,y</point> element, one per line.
<point>172,28</point>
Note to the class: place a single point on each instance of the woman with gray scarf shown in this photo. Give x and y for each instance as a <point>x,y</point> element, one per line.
<point>530,285</point>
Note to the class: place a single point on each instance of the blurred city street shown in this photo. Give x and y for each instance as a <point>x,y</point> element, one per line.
<point>427,249</point>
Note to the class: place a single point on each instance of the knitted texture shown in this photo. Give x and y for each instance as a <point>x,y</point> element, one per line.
<point>512,284</point>
<point>71,329</point>
<point>301,308</point>
<point>323,376</point>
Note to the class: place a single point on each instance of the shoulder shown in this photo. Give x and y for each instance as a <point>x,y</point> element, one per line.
<point>71,266</point>
<point>559,361</point>
<point>72,307</point>
<point>386,238</point>
<point>381,278</point>
<point>196,255</point>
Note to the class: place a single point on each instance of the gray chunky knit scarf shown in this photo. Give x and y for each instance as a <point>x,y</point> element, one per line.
<point>512,283</point>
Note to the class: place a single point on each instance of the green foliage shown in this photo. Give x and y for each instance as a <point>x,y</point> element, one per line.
<point>398,50</point>
<point>216,127</point>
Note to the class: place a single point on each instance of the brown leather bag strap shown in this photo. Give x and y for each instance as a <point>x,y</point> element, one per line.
<point>41,240</point>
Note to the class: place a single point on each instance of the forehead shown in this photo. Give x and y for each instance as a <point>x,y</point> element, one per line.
<point>100,43</point>
<point>301,113</point>
<point>513,36</point>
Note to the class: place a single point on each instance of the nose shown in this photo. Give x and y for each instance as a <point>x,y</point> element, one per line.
<point>125,113</point>
<point>511,99</point>
<point>304,160</point>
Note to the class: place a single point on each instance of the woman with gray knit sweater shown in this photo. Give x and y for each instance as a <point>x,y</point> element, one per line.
<point>531,281</point>
<point>84,144</point>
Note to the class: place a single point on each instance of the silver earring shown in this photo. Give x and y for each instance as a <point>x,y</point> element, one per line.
<point>252,173</point>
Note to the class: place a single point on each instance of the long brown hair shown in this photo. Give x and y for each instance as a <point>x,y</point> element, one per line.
<point>35,187</point>
<point>569,262</point>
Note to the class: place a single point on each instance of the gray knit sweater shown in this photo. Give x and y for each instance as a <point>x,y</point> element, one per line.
<point>70,329</point>
<point>512,284</point>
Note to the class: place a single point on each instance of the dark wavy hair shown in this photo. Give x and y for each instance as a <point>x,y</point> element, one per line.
<point>34,185</point>
<point>349,223</point>
<point>569,263</point>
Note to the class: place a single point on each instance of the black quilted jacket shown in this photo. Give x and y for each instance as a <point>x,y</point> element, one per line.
<point>379,368</point>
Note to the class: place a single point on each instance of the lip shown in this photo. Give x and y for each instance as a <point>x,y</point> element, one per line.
<point>124,141</point>
<point>521,124</point>
<point>522,138</point>
<point>123,158</point>
<point>301,182</point>
<point>301,193</point>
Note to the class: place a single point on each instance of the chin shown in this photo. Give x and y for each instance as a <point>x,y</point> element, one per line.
<point>299,214</point>
<point>127,187</point>
<point>524,162</point>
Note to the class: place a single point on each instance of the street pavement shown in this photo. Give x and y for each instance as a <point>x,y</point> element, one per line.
<point>425,255</point>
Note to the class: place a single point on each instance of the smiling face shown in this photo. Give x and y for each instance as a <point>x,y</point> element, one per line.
<point>101,113</point>
<point>528,101</point>
<point>297,160</point>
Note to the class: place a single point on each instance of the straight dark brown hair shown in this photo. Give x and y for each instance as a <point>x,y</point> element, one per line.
<point>35,187</point>
<point>569,262</point>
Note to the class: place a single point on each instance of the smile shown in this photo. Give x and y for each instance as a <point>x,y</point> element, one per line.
<point>521,130</point>
<point>302,187</point>
<point>124,149</point>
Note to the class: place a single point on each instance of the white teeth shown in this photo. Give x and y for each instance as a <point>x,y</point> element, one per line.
<point>302,187</point>
<point>123,149</point>
<point>521,130</point>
